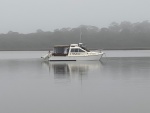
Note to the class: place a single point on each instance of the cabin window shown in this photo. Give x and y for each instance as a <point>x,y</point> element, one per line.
<point>77,50</point>
<point>72,50</point>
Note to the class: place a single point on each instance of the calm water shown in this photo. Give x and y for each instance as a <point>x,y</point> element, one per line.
<point>114,85</point>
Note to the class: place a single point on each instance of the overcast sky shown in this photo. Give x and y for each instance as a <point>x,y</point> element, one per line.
<point>26,16</point>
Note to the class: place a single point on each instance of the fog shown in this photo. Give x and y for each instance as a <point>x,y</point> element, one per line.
<point>124,35</point>
<point>26,16</point>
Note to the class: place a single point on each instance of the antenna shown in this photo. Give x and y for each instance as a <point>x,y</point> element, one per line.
<point>80,36</point>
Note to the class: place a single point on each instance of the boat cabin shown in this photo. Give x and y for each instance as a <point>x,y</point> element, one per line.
<point>66,50</point>
<point>61,50</point>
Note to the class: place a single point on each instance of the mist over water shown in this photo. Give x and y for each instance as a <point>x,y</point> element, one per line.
<point>112,85</point>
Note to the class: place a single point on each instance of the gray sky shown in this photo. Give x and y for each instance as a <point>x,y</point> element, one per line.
<point>26,16</point>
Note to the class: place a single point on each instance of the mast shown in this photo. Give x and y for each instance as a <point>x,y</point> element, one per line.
<point>80,36</point>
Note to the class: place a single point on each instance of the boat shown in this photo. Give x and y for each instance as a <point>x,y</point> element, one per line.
<point>73,52</point>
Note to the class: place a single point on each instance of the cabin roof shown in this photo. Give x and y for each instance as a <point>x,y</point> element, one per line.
<point>61,46</point>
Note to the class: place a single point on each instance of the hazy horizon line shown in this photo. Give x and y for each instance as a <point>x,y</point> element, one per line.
<point>68,27</point>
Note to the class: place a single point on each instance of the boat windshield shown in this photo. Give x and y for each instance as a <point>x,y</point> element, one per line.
<point>84,47</point>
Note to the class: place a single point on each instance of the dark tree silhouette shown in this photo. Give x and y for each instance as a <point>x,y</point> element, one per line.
<point>125,35</point>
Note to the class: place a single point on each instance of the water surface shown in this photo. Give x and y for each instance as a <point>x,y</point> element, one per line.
<point>113,85</point>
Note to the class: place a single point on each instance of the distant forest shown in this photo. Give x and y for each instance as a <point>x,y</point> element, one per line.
<point>124,35</point>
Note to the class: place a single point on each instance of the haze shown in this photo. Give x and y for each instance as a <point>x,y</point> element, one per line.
<point>26,16</point>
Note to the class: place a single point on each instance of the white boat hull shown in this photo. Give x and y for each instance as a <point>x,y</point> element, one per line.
<point>74,52</point>
<point>76,58</point>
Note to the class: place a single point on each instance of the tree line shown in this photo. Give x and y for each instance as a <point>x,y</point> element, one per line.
<point>124,35</point>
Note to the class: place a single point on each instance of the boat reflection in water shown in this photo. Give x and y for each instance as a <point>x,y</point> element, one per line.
<point>69,69</point>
